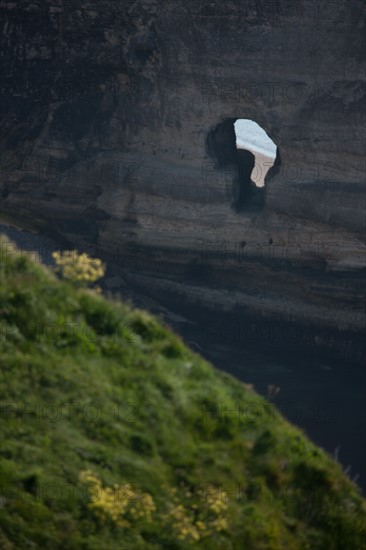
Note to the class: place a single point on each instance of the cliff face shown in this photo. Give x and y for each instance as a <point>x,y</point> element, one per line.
<point>108,109</point>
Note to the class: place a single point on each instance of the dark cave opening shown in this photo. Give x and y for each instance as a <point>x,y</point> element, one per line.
<point>245,159</point>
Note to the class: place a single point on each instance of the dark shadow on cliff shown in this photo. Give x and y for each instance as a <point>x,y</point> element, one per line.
<point>274,170</point>
<point>237,165</point>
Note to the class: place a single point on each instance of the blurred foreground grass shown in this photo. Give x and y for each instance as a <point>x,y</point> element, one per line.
<point>116,436</point>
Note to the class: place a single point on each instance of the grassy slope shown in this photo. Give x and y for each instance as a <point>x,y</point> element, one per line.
<point>146,426</point>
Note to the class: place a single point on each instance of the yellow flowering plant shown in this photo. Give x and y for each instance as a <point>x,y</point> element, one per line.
<point>192,520</point>
<point>122,504</point>
<point>78,268</point>
<point>188,516</point>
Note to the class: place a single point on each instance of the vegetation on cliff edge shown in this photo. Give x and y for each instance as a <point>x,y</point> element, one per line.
<point>116,436</point>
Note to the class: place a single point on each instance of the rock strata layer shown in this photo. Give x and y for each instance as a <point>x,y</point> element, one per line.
<point>106,111</point>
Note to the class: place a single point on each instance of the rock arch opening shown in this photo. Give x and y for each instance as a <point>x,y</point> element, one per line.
<point>247,155</point>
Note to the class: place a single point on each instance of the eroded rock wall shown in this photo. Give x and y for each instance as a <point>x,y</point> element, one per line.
<point>106,109</point>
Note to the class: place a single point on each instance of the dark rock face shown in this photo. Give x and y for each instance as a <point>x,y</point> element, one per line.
<point>221,148</point>
<point>108,113</point>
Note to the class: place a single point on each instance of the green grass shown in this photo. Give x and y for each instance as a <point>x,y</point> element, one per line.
<point>90,384</point>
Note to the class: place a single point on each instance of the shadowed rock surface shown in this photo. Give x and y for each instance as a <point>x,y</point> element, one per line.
<point>107,110</point>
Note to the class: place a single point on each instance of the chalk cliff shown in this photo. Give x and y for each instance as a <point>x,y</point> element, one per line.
<point>117,121</point>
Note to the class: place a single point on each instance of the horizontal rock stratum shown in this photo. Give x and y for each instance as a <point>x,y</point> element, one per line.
<point>108,109</point>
